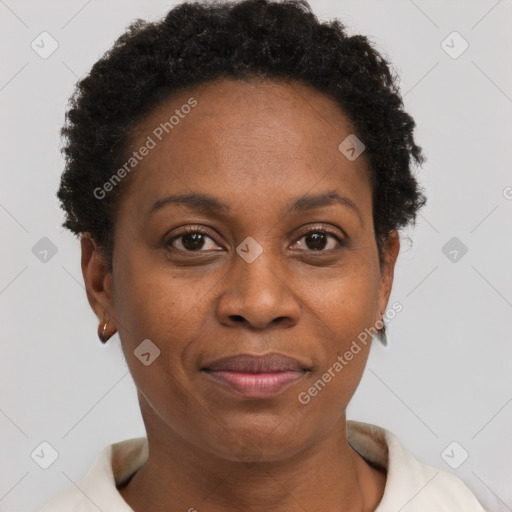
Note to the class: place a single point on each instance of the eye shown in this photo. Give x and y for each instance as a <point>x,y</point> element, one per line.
<point>192,240</point>
<point>317,239</point>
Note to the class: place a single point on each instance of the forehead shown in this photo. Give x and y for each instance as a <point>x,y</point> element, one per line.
<point>233,138</point>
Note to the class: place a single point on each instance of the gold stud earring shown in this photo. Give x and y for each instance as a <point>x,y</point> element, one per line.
<point>102,334</point>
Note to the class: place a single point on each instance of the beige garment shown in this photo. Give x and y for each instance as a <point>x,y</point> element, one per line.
<point>411,486</point>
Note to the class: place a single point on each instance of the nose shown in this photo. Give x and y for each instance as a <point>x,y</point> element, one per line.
<point>258,295</point>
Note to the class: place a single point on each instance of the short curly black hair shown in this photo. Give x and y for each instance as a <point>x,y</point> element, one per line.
<point>198,42</point>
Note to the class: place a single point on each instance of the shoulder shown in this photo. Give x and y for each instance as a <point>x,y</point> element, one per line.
<point>411,486</point>
<point>97,490</point>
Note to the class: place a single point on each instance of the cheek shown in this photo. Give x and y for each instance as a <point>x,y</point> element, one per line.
<point>346,304</point>
<point>145,309</point>
<point>152,302</point>
<point>151,305</point>
<point>344,310</point>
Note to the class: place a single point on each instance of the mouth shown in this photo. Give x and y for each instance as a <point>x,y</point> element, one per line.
<point>260,376</point>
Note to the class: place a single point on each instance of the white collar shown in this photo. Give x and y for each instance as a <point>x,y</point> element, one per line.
<point>411,486</point>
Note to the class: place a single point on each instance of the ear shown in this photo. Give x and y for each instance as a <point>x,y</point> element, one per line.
<point>98,282</point>
<point>390,255</point>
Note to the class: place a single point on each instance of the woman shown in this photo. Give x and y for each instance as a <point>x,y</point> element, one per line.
<point>237,174</point>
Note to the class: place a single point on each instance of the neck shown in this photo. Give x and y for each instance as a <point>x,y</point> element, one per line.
<point>326,475</point>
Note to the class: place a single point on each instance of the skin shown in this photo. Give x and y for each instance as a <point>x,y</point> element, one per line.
<point>257,146</point>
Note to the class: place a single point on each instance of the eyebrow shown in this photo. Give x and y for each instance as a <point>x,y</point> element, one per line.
<point>211,205</point>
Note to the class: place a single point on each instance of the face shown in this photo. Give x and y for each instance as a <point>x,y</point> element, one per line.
<point>273,251</point>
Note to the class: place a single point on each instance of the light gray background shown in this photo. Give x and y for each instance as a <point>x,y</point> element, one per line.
<point>446,375</point>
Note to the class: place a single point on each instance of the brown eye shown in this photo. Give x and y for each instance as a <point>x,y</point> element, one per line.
<point>192,240</point>
<point>318,240</point>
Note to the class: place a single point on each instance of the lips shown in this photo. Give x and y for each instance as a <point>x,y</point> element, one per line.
<point>273,362</point>
<point>259,376</point>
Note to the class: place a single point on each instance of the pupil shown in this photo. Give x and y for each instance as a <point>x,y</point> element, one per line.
<point>196,239</point>
<point>318,241</point>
